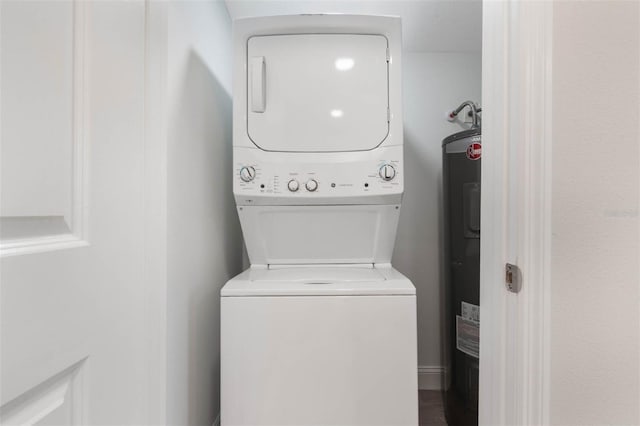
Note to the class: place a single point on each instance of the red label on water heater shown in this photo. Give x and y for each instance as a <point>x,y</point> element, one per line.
<point>474,151</point>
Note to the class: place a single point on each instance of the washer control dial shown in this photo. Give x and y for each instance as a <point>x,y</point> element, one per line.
<point>311,185</point>
<point>247,173</point>
<point>293,185</point>
<point>387,172</point>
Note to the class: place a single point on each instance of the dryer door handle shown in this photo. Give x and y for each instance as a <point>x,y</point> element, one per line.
<point>258,86</point>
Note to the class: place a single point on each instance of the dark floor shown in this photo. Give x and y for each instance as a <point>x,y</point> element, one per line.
<point>431,408</point>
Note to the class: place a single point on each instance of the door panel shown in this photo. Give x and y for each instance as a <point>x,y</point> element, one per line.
<point>57,401</point>
<point>41,185</point>
<point>317,92</point>
<point>74,310</point>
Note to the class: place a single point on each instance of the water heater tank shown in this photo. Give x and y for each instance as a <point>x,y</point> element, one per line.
<point>462,154</point>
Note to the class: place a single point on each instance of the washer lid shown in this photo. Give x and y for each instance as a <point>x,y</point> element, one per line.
<point>316,281</point>
<point>316,274</point>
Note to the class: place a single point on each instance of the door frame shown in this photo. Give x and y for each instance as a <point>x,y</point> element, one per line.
<point>516,211</point>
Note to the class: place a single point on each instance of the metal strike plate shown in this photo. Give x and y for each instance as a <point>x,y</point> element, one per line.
<point>513,278</point>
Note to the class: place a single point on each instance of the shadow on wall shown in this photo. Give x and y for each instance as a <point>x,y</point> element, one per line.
<point>417,253</point>
<point>205,234</point>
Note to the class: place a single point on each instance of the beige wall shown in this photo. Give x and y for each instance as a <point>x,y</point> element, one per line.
<point>595,340</point>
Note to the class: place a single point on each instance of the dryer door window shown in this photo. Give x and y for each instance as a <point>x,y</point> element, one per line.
<point>317,92</point>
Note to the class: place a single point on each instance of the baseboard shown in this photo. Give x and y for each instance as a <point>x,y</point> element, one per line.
<point>216,422</point>
<point>430,377</point>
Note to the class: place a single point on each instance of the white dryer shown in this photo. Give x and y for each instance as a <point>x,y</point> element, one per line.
<point>321,330</point>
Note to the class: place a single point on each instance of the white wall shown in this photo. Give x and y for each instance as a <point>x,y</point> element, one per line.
<point>595,339</point>
<point>433,84</point>
<point>204,239</point>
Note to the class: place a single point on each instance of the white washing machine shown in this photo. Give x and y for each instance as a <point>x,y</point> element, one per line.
<point>321,330</point>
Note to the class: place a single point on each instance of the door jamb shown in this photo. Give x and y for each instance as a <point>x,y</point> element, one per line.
<point>516,211</point>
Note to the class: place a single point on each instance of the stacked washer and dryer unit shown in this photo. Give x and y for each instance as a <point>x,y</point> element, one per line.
<point>321,329</point>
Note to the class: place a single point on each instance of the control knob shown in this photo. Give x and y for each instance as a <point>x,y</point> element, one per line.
<point>387,172</point>
<point>293,185</point>
<point>247,174</point>
<point>311,185</point>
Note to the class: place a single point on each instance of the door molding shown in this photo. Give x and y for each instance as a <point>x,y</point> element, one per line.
<point>76,226</point>
<point>516,177</point>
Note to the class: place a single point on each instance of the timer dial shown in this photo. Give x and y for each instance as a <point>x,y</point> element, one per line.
<point>387,172</point>
<point>247,174</point>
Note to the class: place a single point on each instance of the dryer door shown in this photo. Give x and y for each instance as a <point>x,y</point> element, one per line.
<point>317,92</point>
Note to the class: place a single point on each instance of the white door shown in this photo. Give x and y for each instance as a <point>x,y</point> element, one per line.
<point>77,325</point>
<point>318,92</point>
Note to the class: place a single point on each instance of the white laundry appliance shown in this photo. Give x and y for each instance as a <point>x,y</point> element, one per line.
<point>320,330</point>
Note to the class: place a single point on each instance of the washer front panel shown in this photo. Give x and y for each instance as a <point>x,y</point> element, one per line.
<point>314,360</point>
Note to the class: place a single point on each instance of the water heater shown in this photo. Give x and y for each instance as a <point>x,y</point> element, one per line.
<point>462,154</point>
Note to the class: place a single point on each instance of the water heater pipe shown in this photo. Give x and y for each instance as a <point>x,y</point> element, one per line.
<point>473,112</point>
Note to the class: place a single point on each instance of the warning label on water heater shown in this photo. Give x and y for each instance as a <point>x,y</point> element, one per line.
<point>468,336</point>
<point>470,311</point>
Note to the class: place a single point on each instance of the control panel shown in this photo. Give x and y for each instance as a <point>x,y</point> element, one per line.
<point>367,174</point>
